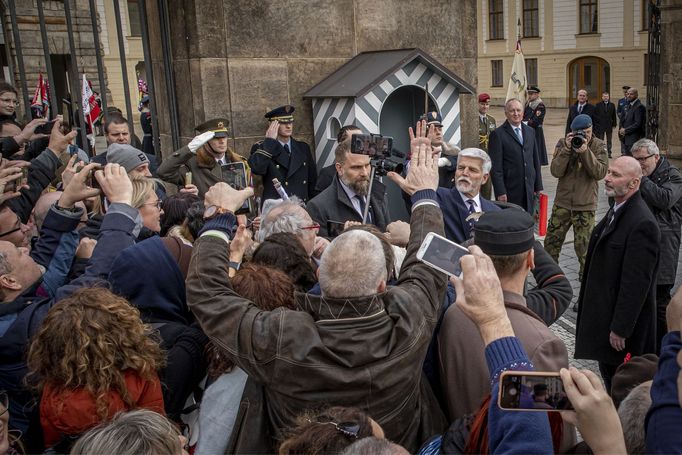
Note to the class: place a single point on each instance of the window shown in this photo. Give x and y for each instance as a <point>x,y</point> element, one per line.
<point>497,72</point>
<point>134,18</point>
<point>496,15</point>
<point>532,71</point>
<point>333,128</point>
<point>646,15</point>
<point>589,18</point>
<point>531,23</point>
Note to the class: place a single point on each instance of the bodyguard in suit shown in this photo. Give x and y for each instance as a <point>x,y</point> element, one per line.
<point>346,198</point>
<point>282,157</point>
<point>605,120</point>
<point>462,204</point>
<point>534,116</point>
<point>617,302</point>
<point>580,107</point>
<point>633,126</point>
<point>516,172</point>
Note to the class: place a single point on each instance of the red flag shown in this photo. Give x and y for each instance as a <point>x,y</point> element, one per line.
<point>40,103</point>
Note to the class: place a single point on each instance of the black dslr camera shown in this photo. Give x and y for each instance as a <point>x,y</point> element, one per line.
<point>380,151</point>
<point>578,139</point>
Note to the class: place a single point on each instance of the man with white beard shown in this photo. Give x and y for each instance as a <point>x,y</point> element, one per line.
<point>463,203</point>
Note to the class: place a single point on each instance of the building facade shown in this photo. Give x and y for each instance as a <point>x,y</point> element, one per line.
<point>598,45</point>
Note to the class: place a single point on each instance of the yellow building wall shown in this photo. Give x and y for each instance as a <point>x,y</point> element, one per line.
<point>626,62</point>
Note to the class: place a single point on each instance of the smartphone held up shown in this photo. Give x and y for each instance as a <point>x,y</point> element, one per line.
<point>532,391</point>
<point>442,254</point>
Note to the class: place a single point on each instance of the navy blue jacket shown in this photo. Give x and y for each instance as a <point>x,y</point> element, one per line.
<point>21,319</point>
<point>516,169</point>
<point>663,419</point>
<point>297,175</point>
<point>149,277</point>
<point>455,213</point>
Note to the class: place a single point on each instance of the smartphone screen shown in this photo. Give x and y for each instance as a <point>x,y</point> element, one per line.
<point>442,254</point>
<point>532,391</point>
<point>45,128</point>
<point>234,174</point>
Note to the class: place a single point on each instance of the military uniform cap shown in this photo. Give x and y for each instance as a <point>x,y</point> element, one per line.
<point>626,87</point>
<point>580,122</point>
<point>145,99</point>
<point>432,118</point>
<point>282,114</point>
<point>217,125</point>
<point>483,98</point>
<point>504,232</point>
<point>533,89</point>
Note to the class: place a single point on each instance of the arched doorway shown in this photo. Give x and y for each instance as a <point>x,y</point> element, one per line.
<point>590,73</point>
<point>401,110</point>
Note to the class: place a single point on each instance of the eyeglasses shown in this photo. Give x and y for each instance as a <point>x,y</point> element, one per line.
<point>11,231</point>
<point>4,403</point>
<point>313,226</point>
<point>643,158</point>
<point>156,204</point>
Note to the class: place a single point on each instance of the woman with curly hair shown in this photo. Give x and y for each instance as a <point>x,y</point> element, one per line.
<point>92,358</point>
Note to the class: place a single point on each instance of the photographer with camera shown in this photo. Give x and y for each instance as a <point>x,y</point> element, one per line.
<point>580,161</point>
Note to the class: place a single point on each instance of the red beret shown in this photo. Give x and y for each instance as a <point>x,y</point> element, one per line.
<point>483,97</point>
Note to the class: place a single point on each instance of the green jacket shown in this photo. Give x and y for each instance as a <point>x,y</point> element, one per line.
<point>579,174</point>
<point>484,129</point>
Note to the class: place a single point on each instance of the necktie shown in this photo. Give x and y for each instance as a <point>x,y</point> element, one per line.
<point>471,221</point>
<point>609,219</point>
<point>519,135</point>
<point>361,200</point>
<point>580,108</point>
<point>286,149</point>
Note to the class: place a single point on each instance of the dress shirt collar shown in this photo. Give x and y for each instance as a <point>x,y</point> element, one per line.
<point>476,199</point>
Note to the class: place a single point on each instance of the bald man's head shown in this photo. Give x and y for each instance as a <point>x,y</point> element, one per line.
<point>622,178</point>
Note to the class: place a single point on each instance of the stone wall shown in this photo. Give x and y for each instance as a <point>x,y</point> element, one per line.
<point>238,59</point>
<point>670,119</point>
<point>58,41</point>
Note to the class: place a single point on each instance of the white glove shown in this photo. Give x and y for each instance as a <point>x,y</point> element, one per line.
<point>443,162</point>
<point>200,140</point>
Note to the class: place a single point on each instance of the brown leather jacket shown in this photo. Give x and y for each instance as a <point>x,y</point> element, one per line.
<point>365,352</point>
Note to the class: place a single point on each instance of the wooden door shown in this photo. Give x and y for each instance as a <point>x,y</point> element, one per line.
<point>590,73</point>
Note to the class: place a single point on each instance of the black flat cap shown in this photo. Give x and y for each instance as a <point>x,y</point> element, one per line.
<point>504,232</point>
<point>282,114</point>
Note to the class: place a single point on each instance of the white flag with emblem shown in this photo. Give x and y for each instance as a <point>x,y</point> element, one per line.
<point>517,80</point>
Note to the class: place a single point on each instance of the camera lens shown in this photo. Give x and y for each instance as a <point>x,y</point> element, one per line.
<point>577,141</point>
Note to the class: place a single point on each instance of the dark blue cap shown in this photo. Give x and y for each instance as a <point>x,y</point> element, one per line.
<point>505,232</point>
<point>282,114</point>
<point>581,122</point>
<point>432,118</point>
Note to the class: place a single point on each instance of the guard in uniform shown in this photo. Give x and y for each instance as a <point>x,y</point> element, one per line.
<point>206,160</point>
<point>146,123</point>
<point>447,164</point>
<point>282,157</point>
<point>534,116</point>
<point>486,125</point>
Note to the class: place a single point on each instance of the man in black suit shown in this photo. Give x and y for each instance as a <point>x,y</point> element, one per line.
<point>346,198</point>
<point>516,171</point>
<point>604,120</point>
<point>617,302</point>
<point>282,157</point>
<point>327,173</point>
<point>633,126</point>
<point>582,106</point>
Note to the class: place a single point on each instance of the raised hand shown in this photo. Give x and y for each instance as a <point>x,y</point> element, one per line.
<point>223,195</point>
<point>422,174</point>
<point>115,183</point>
<point>8,189</point>
<point>78,189</point>
<point>273,128</point>
<point>200,140</point>
<point>58,140</point>
<point>419,138</point>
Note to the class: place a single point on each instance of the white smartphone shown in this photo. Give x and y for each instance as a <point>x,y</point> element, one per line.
<point>441,254</point>
<point>532,391</point>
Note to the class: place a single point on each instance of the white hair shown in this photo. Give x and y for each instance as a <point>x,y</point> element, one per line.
<point>288,217</point>
<point>632,412</point>
<point>473,152</point>
<point>353,265</point>
<point>650,145</point>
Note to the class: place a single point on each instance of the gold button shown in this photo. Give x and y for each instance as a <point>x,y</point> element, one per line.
<point>286,183</point>
<point>304,182</point>
<point>277,166</point>
<point>304,163</point>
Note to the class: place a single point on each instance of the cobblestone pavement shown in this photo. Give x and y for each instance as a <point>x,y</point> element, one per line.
<point>564,328</point>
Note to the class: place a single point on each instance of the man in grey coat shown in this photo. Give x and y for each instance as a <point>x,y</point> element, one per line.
<point>661,189</point>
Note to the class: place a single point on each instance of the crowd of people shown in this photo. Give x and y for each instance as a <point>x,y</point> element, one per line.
<point>158,306</point>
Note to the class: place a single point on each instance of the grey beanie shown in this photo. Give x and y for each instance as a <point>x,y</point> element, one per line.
<point>127,156</point>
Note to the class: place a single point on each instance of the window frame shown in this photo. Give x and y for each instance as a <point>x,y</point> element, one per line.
<point>534,80</point>
<point>138,32</point>
<point>534,12</point>
<point>593,9</point>
<point>493,81</point>
<point>495,14</point>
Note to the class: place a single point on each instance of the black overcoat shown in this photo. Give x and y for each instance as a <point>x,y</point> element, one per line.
<point>618,291</point>
<point>516,169</point>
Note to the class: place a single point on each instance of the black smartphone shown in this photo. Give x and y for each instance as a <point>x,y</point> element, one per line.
<point>67,115</point>
<point>234,174</point>
<point>45,128</point>
<point>335,228</point>
<point>94,183</point>
<point>532,391</point>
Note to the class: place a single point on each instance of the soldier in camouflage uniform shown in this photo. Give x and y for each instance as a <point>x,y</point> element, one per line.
<point>486,125</point>
<point>579,171</point>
